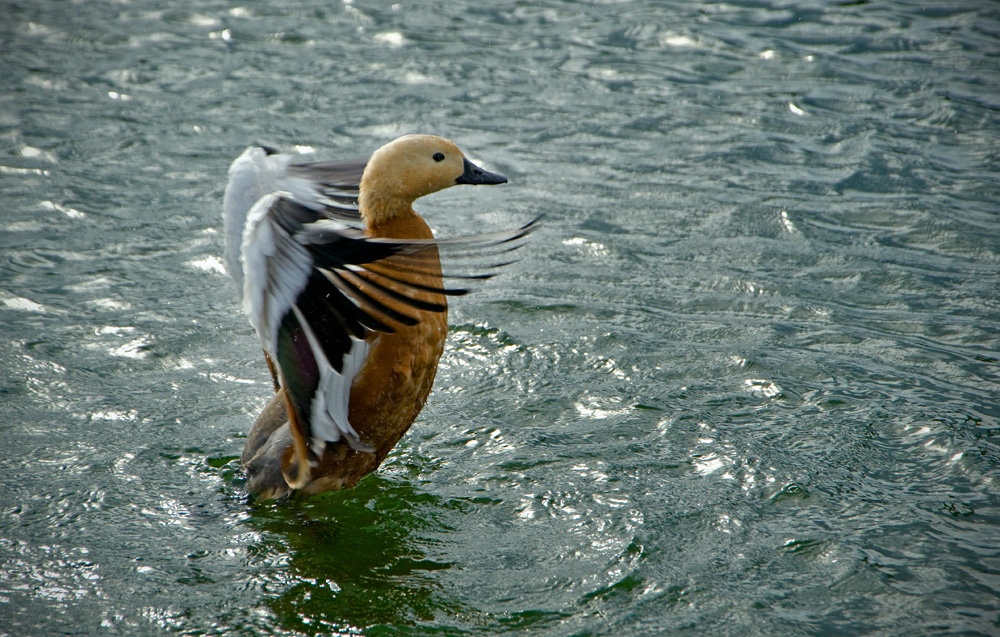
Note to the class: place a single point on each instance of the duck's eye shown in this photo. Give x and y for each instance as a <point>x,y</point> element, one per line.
<point>438,156</point>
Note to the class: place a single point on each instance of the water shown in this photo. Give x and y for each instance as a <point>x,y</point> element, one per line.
<point>744,381</point>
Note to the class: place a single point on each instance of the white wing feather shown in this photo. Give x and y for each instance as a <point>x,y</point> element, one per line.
<point>253,175</point>
<point>277,268</point>
<point>328,416</point>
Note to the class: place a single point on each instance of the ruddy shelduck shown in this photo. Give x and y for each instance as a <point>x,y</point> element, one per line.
<point>342,281</point>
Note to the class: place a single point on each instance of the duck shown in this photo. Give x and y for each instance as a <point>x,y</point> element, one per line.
<point>342,281</point>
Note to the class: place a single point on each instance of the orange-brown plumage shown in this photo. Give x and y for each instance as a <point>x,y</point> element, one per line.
<point>392,384</point>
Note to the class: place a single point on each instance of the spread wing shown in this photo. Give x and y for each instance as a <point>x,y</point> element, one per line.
<point>328,188</point>
<point>315,287</point>
<point>337,184</point>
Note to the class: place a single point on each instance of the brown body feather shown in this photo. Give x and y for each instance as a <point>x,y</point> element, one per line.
<point>396,378</point>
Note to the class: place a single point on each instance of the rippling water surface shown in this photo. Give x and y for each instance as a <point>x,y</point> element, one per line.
<point>744,381</point>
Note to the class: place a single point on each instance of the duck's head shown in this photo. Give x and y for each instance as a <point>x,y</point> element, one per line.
<point>413,166</point>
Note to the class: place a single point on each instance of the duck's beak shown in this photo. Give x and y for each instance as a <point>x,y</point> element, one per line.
<point>474,175</point>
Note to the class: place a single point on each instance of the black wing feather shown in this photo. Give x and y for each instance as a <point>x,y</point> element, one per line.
<point>340,297</point>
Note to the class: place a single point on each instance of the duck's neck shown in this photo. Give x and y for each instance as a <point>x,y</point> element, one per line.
<point>377,205</point>
<point>398,220</point>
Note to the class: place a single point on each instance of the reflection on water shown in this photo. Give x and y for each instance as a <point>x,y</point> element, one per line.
<point>350,560</point>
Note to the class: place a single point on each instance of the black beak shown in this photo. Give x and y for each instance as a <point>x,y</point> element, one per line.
<point>474,175</point>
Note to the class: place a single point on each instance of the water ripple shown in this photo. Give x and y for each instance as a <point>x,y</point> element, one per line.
<point>743,378</point>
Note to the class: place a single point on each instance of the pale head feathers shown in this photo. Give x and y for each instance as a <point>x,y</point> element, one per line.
<point>404,170</point>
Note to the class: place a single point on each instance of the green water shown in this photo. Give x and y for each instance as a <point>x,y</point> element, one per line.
<point>743,382</point>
